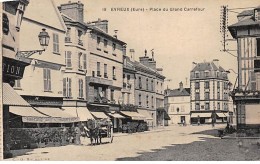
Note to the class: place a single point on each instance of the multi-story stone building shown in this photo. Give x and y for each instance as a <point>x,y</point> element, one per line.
<point>177,103</point>
<point>74,78</point>
<point>105,68</point>
<point>246,97</point>
<point>149,90</point>
<point>12,68</point>
<point>209,87</point>
<point>42,82</point>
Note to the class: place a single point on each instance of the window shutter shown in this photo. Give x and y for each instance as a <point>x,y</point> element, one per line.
<point>85,61</point>
<point>64,87</point>
<point>66,63</point>
<point>70,94</point>
<point>49,79</point>
<point>45,79</point>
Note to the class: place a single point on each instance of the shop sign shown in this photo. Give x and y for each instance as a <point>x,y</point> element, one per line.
<point>13,69</point>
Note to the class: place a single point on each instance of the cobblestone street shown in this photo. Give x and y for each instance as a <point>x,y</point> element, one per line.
<point>169,143</point>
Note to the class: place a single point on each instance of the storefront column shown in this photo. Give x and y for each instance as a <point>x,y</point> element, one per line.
<point>6,135</point>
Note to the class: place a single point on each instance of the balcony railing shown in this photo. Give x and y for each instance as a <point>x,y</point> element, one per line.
<point>98,74</point>
<point>105,75</point>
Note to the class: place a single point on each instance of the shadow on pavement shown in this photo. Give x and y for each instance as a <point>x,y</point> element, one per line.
<point>208,149</point>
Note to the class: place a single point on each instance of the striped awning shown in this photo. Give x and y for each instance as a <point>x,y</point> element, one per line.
<point>11,98</point>
<point>116,115</point>
<point>134,115</point>
<point>81,112</point>
<point>99,115</point>
<point>146,114</point>
<point>196,115</point>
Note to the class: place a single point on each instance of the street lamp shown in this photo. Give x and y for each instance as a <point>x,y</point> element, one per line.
<point>44,42</point>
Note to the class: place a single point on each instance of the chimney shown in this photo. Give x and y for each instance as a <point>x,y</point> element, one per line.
<point>74,10</point>
<point>132,54</point>
<point>101,24</point>
<point>159,70</point>
<point>216,62</point>
<point>181,86</point>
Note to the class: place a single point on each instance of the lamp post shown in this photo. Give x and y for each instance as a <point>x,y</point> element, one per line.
<point>44,42</point>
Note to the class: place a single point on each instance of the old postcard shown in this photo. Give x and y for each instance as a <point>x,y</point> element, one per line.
<point>130,80</point>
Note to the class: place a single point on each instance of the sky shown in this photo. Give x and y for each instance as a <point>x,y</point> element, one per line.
<point>177,37</point>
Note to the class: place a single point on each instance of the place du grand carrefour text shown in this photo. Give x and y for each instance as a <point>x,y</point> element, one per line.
<point>152,9</point>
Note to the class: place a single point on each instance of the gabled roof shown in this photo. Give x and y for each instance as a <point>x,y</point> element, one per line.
<point>45,12</point>
<point>179,92</point>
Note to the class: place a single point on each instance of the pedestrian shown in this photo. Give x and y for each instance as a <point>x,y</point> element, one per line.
<point>213,123</point>
<point>78,133</point>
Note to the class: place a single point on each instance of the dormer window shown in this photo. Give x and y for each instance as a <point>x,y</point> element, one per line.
<point>197,75</point>
<point>206,74</point>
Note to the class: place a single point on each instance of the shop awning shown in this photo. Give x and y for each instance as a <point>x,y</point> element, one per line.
<point>57,115</point>
<point>221,115</point>
<point>99,115</point>
<point>145,113</point>
<point>134,115</point>
<point>195,115</point>
<point>81,112</point>
<point>25,111</point>
<point>116,115</point>
<point>11,98</point>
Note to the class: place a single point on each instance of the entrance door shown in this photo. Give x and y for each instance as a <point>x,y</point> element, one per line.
<point>183,119</point>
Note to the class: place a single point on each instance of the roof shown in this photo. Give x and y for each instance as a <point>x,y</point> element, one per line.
<point>179,92</point>
<point>99,31</point>
<point>45,12</point>
<point>207,66</point>
<point>246,13</point>
<point>144,67</point>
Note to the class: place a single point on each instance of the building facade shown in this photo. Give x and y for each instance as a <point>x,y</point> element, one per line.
<point>42,82</point>
<point>209,87</point>
<point>177,102</point>
<point>12,66</point>
<point>149,90</point>
<point>246,97</point>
